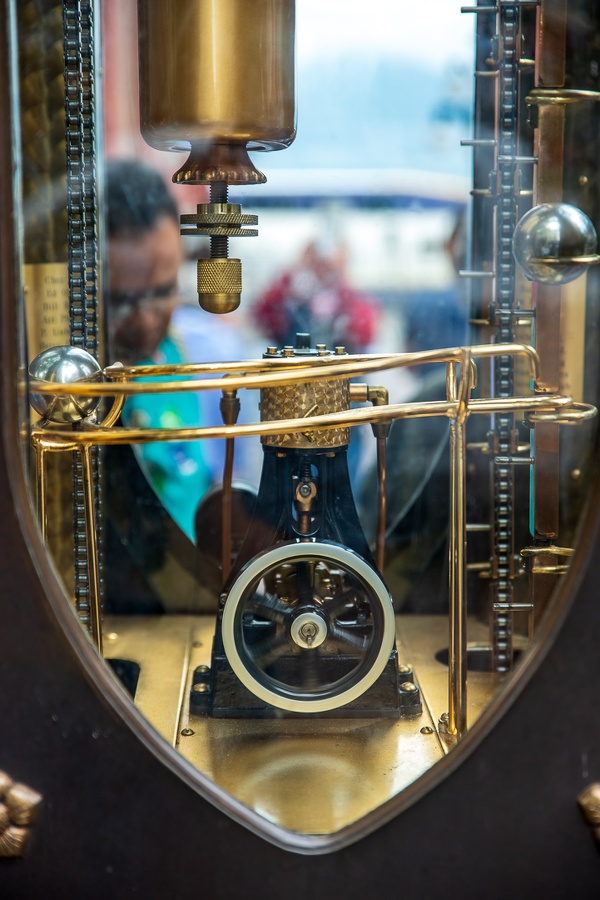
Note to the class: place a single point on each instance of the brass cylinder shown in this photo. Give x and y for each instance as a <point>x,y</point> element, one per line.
<point>306,400</point>
<point>217,72</point>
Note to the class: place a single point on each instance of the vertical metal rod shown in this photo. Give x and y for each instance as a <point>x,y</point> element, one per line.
<point>552,312</point>
<point>226,509</point>
<point>91,545</point>
<point>381,501</point>
<point>40,471</point>
<point>457,646</point>
<point>457,669</point>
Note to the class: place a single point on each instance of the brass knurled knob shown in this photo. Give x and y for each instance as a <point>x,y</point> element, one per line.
<point>219,284</point>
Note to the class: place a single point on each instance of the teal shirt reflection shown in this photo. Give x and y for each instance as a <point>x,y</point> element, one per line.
<point>176,470</point>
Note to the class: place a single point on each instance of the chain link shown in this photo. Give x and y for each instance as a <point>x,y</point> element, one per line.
<point>507,214</point>
<point>82,205</point>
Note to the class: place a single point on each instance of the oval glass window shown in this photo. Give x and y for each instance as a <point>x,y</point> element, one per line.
<point>314,534</point>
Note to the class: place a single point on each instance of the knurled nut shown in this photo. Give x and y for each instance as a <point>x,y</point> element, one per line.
<point>219,276</point>
<point>220,231</point>
<point>225,208</point>
<point>219,219</point>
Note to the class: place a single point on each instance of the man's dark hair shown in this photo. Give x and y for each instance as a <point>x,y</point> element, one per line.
<point>136,197</point>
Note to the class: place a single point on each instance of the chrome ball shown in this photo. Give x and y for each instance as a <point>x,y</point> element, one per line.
<point>64,365</point>
<point>548,240</point>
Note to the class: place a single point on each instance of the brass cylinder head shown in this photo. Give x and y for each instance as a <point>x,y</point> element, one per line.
<point>300,400</point>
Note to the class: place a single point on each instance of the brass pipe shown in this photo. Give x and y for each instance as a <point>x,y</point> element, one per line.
<point>226,509</point>
<point>457,640</point>
<point>59,440</point>
<point>92,546</point>
<point>230,410</point>
<point>342,368</point>
<point>457,657</point>
<point>444,354</point>
<point>40,471</point>
<point>381,501</point>
<point>379,396</point>
<point>309,373</point>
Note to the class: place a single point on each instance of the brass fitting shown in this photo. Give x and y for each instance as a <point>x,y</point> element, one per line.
<point>219,284</point>
<point>219,277</point>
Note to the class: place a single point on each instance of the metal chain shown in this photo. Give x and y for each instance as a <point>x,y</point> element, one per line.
<point>80,111</point>
<point>507,214</point>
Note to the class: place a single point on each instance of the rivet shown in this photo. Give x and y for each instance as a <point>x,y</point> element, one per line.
<point>186,732</point>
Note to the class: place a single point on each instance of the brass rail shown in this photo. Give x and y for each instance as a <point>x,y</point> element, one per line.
<point>461,379</point>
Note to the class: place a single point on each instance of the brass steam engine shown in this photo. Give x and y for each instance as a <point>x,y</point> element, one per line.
<point>296,672</point>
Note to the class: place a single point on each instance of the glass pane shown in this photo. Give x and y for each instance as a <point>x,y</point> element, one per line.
<point>315,531</point>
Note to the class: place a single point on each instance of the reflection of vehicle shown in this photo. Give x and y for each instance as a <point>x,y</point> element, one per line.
<point>121,804</point>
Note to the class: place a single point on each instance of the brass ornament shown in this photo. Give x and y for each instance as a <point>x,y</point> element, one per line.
<point>18,810</point>
<point>589,803</point>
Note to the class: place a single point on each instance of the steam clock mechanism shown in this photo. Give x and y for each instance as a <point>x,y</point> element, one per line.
<point>285,618</point>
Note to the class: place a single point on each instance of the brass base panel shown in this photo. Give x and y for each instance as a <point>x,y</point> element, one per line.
<point>312,776</point>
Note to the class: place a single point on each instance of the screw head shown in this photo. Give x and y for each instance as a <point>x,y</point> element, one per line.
<point>186,732</point>
<point>201,688</point>
<point>426,729</point>
<point>409,687</point>
<point>404,670</point>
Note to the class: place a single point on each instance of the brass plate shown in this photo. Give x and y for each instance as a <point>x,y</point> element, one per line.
<point>306,775</point>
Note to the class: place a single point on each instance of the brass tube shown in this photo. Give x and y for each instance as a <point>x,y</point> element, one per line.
<point>60,440</point>
<point>342,369</point>
<point>381,501</point>
<point>457,647</point>
<point>40,471</point>
<point>549,302</point>
<point>226,509</point>
<point>444,354</point>
<point>92,546</point>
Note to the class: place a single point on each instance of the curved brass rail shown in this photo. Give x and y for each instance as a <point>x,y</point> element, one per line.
<point>63,439</point>
<point>263,373</point>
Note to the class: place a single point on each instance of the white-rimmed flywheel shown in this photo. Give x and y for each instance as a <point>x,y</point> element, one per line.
<point>308,626</point>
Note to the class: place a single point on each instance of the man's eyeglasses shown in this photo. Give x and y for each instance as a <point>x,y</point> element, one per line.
<point>122,305</point>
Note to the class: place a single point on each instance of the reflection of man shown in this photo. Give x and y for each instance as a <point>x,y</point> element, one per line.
<point>144,256</point>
